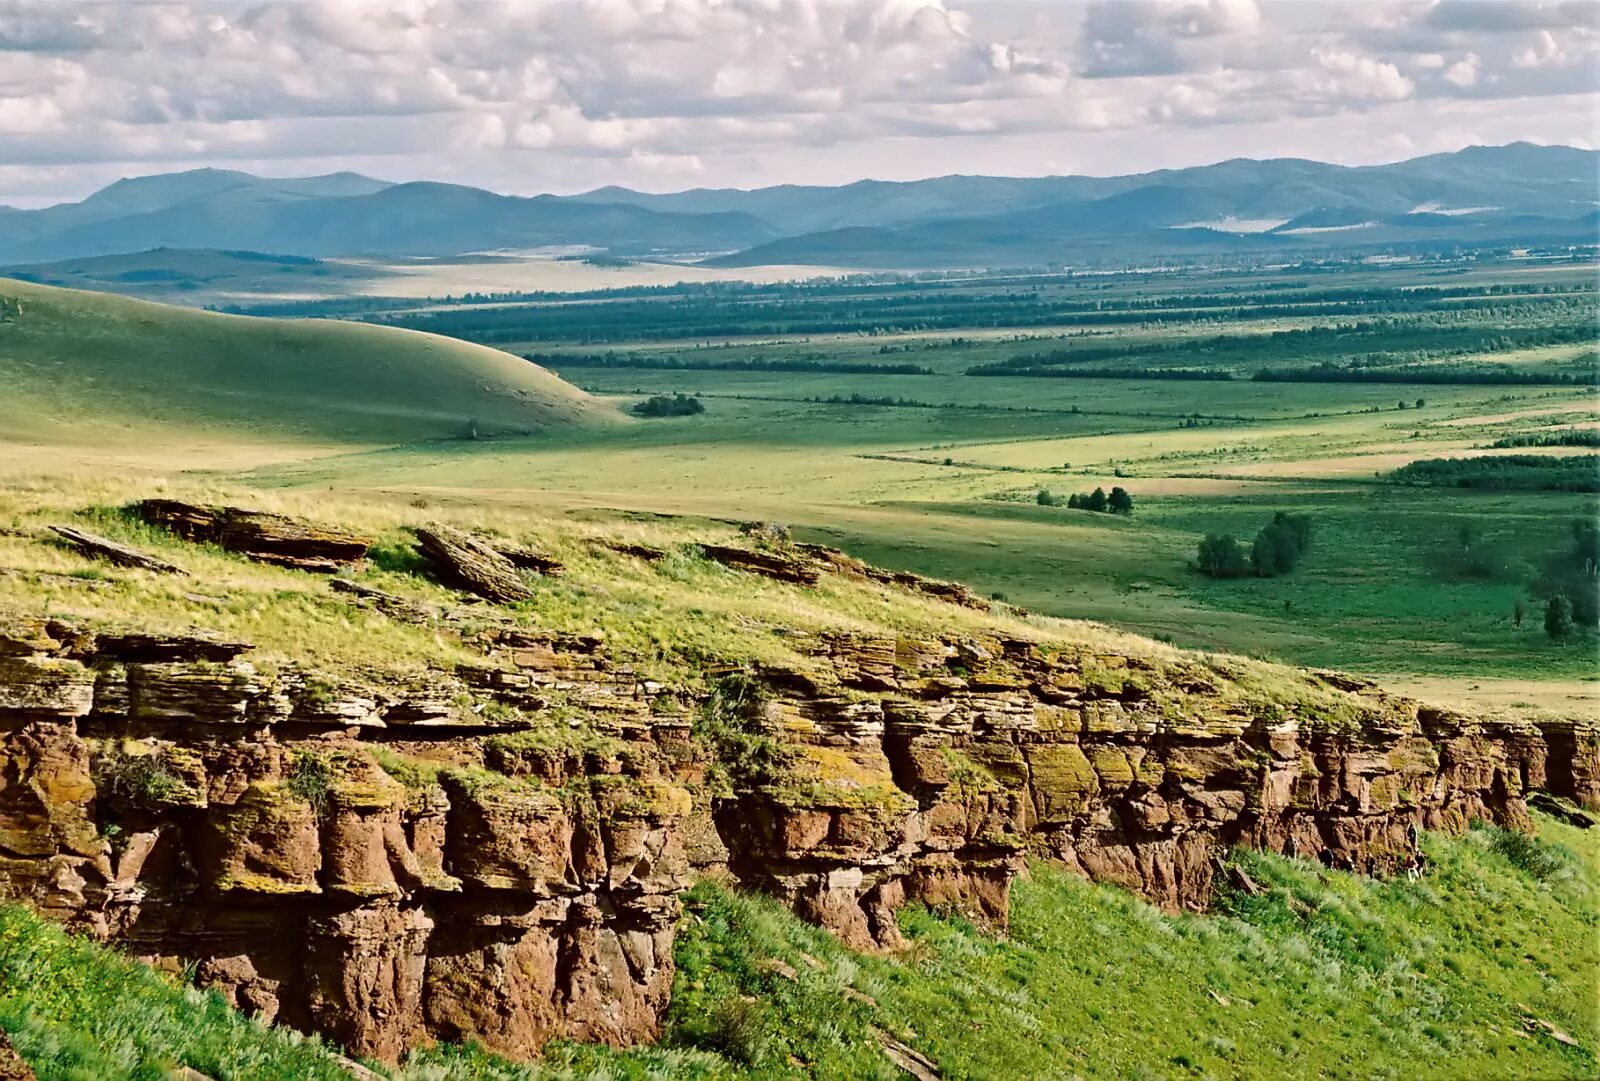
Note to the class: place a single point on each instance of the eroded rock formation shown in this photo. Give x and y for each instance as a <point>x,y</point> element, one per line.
<point>259,535</point>
<point>496,853</point>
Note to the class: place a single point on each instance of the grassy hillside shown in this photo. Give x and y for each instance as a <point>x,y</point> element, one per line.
<point>85,367</point>
<point>1482,968</point>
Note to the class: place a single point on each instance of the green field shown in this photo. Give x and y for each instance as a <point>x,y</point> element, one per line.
<point>848,411</point>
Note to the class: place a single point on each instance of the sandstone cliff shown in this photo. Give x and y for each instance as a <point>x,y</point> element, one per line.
<point>496,852</point>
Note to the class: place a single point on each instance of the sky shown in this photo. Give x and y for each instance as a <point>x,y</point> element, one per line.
<point>569,95</point>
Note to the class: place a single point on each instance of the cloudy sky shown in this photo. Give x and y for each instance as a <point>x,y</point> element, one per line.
<point>568,95</point>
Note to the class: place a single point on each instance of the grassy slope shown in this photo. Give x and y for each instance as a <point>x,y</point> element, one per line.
<point>82,367</point>
<point>1325,974</point>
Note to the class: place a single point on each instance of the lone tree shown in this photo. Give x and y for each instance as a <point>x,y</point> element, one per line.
<point>1120,501</point>
<point>1044,498</point>
<point>1558,616</point>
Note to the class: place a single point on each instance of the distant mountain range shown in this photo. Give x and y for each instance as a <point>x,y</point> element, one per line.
<point>1516,194</point>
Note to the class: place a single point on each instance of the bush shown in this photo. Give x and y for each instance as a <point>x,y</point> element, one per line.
<point>1221,557</point>
<point>1572,574</point>
<point>140,780</point>
<point>311,780</point>
<point>1558,616</point>
<point>1045,499</point>
<point>733,725</point>
<point>1280,544</point>
<point>678,405</point>
<point>1538,858</point>
<point>1120,501</point>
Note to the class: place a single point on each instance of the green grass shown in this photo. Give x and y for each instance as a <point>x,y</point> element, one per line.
<point>937,488</point>
<point>1463,973</point>
<point>87,369</point>
<point>79,1012</point>
<point>1324,975</point>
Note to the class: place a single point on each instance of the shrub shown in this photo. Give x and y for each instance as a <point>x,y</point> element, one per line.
<point>310,779</point>
<point>1221,557</point>
<point>1540,859</point>
<point>1558,616</point>
<point>140,780</point>
<point>733,724</point>
<point>1045,499</point>
<point>1120,501</point>
<point>1277,549</point>
<point>737,1030</point>
<point>1280,544</point>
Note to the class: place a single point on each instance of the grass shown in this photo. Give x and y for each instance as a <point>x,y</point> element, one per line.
<point>90,369</point>
<point>79,1012</point>
<point>1470,971</point>
<point>1323,975</point>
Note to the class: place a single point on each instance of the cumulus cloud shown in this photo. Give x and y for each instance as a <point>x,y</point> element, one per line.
<point>566,94</point>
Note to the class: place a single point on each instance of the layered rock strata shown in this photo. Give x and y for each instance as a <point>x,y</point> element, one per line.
<point>496,853</point>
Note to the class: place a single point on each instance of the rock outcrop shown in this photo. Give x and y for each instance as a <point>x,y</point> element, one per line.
<point>259,535</point>
<point>339,858</point>
<point>472,564</point>
<point>497,852</point>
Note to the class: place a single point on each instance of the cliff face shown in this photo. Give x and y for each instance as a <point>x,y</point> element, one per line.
<point>386,863</point>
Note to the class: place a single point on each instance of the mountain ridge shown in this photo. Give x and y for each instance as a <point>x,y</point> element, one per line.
<point>1517,193</point>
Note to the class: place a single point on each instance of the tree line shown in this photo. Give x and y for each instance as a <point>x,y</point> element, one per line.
<point>1509,472</point>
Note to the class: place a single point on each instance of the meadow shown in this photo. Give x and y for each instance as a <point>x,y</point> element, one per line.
<point>907,421</point>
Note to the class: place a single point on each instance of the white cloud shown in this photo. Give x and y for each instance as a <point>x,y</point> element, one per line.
<point>567,94</point>
<point>1464,72</point>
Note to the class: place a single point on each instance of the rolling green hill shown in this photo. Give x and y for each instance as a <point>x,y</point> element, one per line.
<point>78,366</point>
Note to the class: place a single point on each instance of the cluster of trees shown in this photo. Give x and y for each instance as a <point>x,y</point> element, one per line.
<point>1277,549</point>
<point>662,405</point>
<point>1506,473</point>
<point>1117,502</point>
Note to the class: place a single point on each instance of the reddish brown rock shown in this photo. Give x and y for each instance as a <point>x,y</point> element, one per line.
<point>12,1068</point>
<point>260,535</point>
<point>378,862</point>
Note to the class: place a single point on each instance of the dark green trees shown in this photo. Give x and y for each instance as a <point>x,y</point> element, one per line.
<point>1277,549</point>
<point>678,405</point>
<point>1280,544</point>
<point>1118,502</point>
<point>1558,616</point>
<point>1221,557</point>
